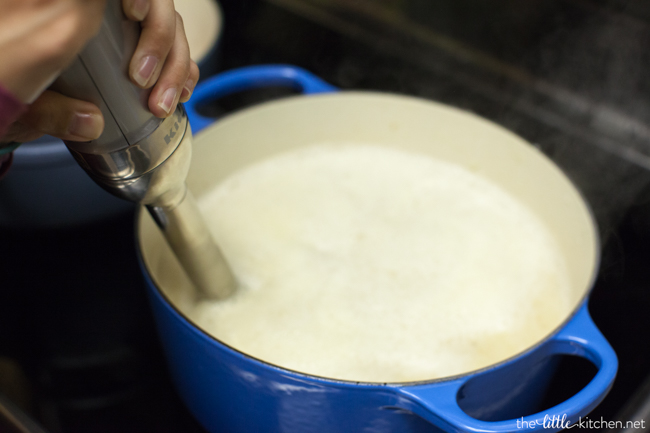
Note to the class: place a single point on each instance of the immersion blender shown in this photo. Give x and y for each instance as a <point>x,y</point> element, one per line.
<point>140,157</point>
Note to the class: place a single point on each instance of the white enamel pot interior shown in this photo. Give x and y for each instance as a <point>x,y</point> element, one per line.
<point>406,123</point>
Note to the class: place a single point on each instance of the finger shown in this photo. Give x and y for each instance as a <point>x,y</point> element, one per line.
<point>174,76</point>
<point>188,88</point>
<point>156,41</point>
<point>136,10</point>
<point>64,117</point>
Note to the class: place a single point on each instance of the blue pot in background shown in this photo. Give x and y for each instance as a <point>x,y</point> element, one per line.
<point>46,188</point>
<point>229,391</point>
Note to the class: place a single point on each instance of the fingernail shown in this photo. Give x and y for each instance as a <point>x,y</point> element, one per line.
<point>145,71</point>
<point>140,9</point>
<point>187,89</point>
<point>86,125</point>
<point>167,99</point>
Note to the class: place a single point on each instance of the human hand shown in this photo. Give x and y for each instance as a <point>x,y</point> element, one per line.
<point>161,61</point>
<point>162,57</point>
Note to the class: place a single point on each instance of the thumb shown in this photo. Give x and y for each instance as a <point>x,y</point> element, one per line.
<point>63,117</point>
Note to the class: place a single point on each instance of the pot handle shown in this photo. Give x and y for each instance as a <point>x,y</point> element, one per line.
<point>250,77</point>
<point>437,402</point>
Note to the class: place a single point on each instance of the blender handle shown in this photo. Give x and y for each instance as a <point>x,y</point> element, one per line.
<point>438,403</point>
<point>99,74</point>
<point>250,77</point>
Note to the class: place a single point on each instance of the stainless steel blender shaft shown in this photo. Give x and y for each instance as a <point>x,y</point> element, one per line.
<point>190,239</point>
<point>140,157</point>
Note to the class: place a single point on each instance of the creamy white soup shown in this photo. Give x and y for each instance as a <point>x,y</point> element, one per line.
<point>372,264</point>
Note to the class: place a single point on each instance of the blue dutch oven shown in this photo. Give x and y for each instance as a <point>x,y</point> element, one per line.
<point>229,391</point>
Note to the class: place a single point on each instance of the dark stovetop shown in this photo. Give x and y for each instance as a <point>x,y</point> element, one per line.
<point>567,75</point>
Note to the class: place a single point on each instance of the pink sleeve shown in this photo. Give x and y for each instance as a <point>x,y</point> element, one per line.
<point>10,110</point>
